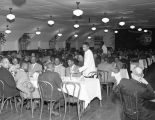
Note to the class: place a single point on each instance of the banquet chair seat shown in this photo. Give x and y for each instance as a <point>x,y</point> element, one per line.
<point>46,93</point>
<point>1,94</point>
<point>103,77</point>
<point>71,93</point>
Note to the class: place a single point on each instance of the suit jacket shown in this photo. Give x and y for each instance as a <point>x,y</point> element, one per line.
<point>34,68</point>
<point>10,85</point>
<point>74,71</point>
<point>55,80</point>
<point>60,69</point>
<point>89,63</point>
<point>144,94</point>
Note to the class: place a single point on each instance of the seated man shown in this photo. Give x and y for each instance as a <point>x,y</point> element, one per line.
<point>54,78</point>
<point>107,64</point>
<point>59,68</point>
<point>72,70</point>
<point>144,93</point>
<point>23,82</point>
<point>7,78</point>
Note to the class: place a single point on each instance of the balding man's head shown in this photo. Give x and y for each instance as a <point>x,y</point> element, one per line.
<point>5,63</point>
<point>50,66</point>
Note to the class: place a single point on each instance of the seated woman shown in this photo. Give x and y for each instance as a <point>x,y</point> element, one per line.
<point>14,67</point>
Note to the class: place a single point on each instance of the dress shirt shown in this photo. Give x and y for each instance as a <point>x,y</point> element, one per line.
<point>60,69</point>
<point>104,48</point>
<point>89,63</point>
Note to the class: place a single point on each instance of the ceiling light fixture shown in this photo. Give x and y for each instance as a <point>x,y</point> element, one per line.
<point>38,32</point>
<point>78,12</point>
<point>50,21</point>
<point>132,26</point>
<point>139,29</point>
<point>106,30</point>
<point>116,31</point>
<point>10,16</point>
<point>89,37</point>
<point>122,23</point>
<point>105,19</point>
<point>145,31</point>
<point>76,25</point>
<point>59,34</point>
<point>7,31</point>
<point>76,35</point>
<point>93,27</point>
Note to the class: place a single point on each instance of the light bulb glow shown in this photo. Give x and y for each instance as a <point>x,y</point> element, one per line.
<point>139,29</point>
<point>122,23</point>
<point>145,31</point>
<point>76,25</point>
<point>78,12</point>
<point>38,32</point>
<point>106,30</point>
<point>116,31</point>
<point>59,34</point>
<point>75,35</point>
<point>105,20</point>
<point>8,31</point>
<point>51,22</point>
<point>93,28</point>
<point>89,37</point>
<point>132,27</point>
<point>10,16</point>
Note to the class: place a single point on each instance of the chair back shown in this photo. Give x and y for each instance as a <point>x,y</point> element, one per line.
<point>1,89</point>
<point>45,90</point>
<point>103,76</point>
<point>71,89</point>
<point>130,104</point>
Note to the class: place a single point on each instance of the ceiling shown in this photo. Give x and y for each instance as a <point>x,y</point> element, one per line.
<point>138,12</point>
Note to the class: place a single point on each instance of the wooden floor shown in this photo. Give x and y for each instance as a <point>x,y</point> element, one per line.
<point>110,110</point>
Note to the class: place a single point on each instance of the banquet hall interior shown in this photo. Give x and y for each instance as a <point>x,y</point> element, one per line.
<point>52,34</point>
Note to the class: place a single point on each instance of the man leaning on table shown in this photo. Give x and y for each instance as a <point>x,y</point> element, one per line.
<point>89,63</point>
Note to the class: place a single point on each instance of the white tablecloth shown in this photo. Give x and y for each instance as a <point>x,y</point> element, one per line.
<point>90,88</point>
<point>34,81</point>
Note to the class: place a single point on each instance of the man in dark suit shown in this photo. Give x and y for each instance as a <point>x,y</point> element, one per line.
<point>7,78</point>
<point>52,77</point>
<point>144,91</point>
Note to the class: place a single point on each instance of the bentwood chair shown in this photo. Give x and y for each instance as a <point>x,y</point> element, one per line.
<point>46,92</point>
<point>30,98</point>
<point>1,93</point>
<point>103,77</point>
<point>130,105</point>
<point>7,100</point>
<point>71,93</point>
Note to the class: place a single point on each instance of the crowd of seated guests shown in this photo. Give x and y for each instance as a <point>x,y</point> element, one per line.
<point>16,68</point>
